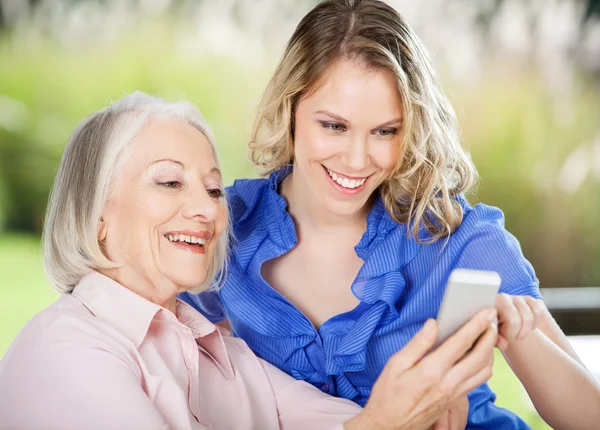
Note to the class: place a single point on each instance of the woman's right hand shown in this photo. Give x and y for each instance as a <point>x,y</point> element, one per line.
<point>414,390</point>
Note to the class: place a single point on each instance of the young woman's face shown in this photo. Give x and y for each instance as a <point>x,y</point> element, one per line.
<point>347,136</point>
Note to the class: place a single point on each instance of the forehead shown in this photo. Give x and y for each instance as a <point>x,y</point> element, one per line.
<point>353,90</point>
<point>173,139</point>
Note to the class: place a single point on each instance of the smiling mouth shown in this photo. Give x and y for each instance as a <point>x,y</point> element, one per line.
<point>188,242</point>
<point>348,185</point>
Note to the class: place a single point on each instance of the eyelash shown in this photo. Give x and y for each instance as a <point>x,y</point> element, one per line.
<point>390,132</point>
<point>329,126</point>
<point>215,193</point>
<point>219,193</point>
<point>171,184</point>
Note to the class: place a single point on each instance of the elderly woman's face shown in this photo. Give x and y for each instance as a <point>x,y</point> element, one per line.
<point>165,214</point>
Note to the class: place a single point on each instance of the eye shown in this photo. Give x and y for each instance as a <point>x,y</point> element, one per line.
<point>170,184</point>
<point>386,132</point>
<point>215,193</point>
<point>336,127</point>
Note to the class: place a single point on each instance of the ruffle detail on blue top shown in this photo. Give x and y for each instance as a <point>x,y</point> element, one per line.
<point>379,284</point>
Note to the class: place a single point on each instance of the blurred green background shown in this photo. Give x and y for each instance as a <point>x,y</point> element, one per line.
<point>529,110</point>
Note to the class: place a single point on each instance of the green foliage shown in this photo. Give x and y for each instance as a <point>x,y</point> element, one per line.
<point>519,132</point>
<point>24,290</point>
<point>524,141</point>
<point>45,91</point>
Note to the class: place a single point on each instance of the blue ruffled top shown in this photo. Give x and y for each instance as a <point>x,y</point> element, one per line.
<point>400,286</point>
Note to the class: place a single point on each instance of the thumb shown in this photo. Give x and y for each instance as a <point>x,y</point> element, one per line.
<point>418,346</point>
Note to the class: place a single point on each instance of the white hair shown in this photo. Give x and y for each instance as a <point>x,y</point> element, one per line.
<point>90,163</point>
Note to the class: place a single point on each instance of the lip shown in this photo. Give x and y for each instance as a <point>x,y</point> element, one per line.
<point>346,191</point>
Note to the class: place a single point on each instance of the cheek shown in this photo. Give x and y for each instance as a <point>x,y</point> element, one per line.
<point>221,221</point>
<point>386,156</point>
<point>135,219</point>
<point>312,144</point>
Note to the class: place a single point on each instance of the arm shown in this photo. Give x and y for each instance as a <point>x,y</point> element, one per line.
<point>564,393</point>
<point>64,380</point>
<point>301,406</point>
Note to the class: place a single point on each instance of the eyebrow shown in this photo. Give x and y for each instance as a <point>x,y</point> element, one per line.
<point>167,160</point>
<point>342,119</point>
<point>217,171</point>
<point>170,160</point>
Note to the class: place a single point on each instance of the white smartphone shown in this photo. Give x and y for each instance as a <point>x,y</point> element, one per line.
<point>467,293</point>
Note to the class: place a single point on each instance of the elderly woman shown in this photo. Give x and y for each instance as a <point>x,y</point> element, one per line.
<point>136,216</point>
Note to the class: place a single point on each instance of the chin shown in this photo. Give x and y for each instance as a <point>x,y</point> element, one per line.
<point>344,209</point>
<point>188,282</point>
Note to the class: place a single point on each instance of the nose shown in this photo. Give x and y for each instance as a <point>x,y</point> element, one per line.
<point>357,155</point>
<point>201,207</point>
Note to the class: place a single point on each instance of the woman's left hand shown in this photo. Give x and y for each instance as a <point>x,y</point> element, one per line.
<point>517,317</point>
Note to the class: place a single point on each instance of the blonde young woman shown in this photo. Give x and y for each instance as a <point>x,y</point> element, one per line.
<point>136,216</point>
<point>343,252</point>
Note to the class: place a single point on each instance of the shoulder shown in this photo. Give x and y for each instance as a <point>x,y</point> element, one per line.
<point>479,219</point>
<point>65,329</point>
<point>482,225</point>
<point>59,353</point>
<point>482,242</point>
<point>244,197</point>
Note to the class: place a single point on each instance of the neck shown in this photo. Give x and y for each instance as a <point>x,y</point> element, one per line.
<point>309,214</point>
<point>162,295</point>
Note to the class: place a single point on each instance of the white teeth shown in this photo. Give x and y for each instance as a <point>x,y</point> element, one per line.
<point>345,182</point>
<point>197,240</point>
<point>185,238</point>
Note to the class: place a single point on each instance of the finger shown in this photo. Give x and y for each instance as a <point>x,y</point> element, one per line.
<point>537,307</point>
<point>476,380</point>
<point>508,317</point>
<point>457,345</point>
<point>502,343</point>
<point>458,414</point>
<point>443,422</point>
<point>477,359</point>
<point>414,350</point>
<point>527,317</point>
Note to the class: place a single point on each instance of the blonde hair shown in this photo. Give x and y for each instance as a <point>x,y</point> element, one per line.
<point>432,166</point>
<point>86,176</point>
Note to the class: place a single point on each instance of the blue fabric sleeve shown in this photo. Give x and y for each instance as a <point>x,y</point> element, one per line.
<point>484,414</point>
<point>208,303</point>
<point>483,243</point>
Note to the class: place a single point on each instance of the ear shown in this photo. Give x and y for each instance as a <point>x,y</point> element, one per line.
<point>101,230</point>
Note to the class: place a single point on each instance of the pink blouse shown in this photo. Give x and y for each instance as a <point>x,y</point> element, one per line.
<point>106,358</point>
